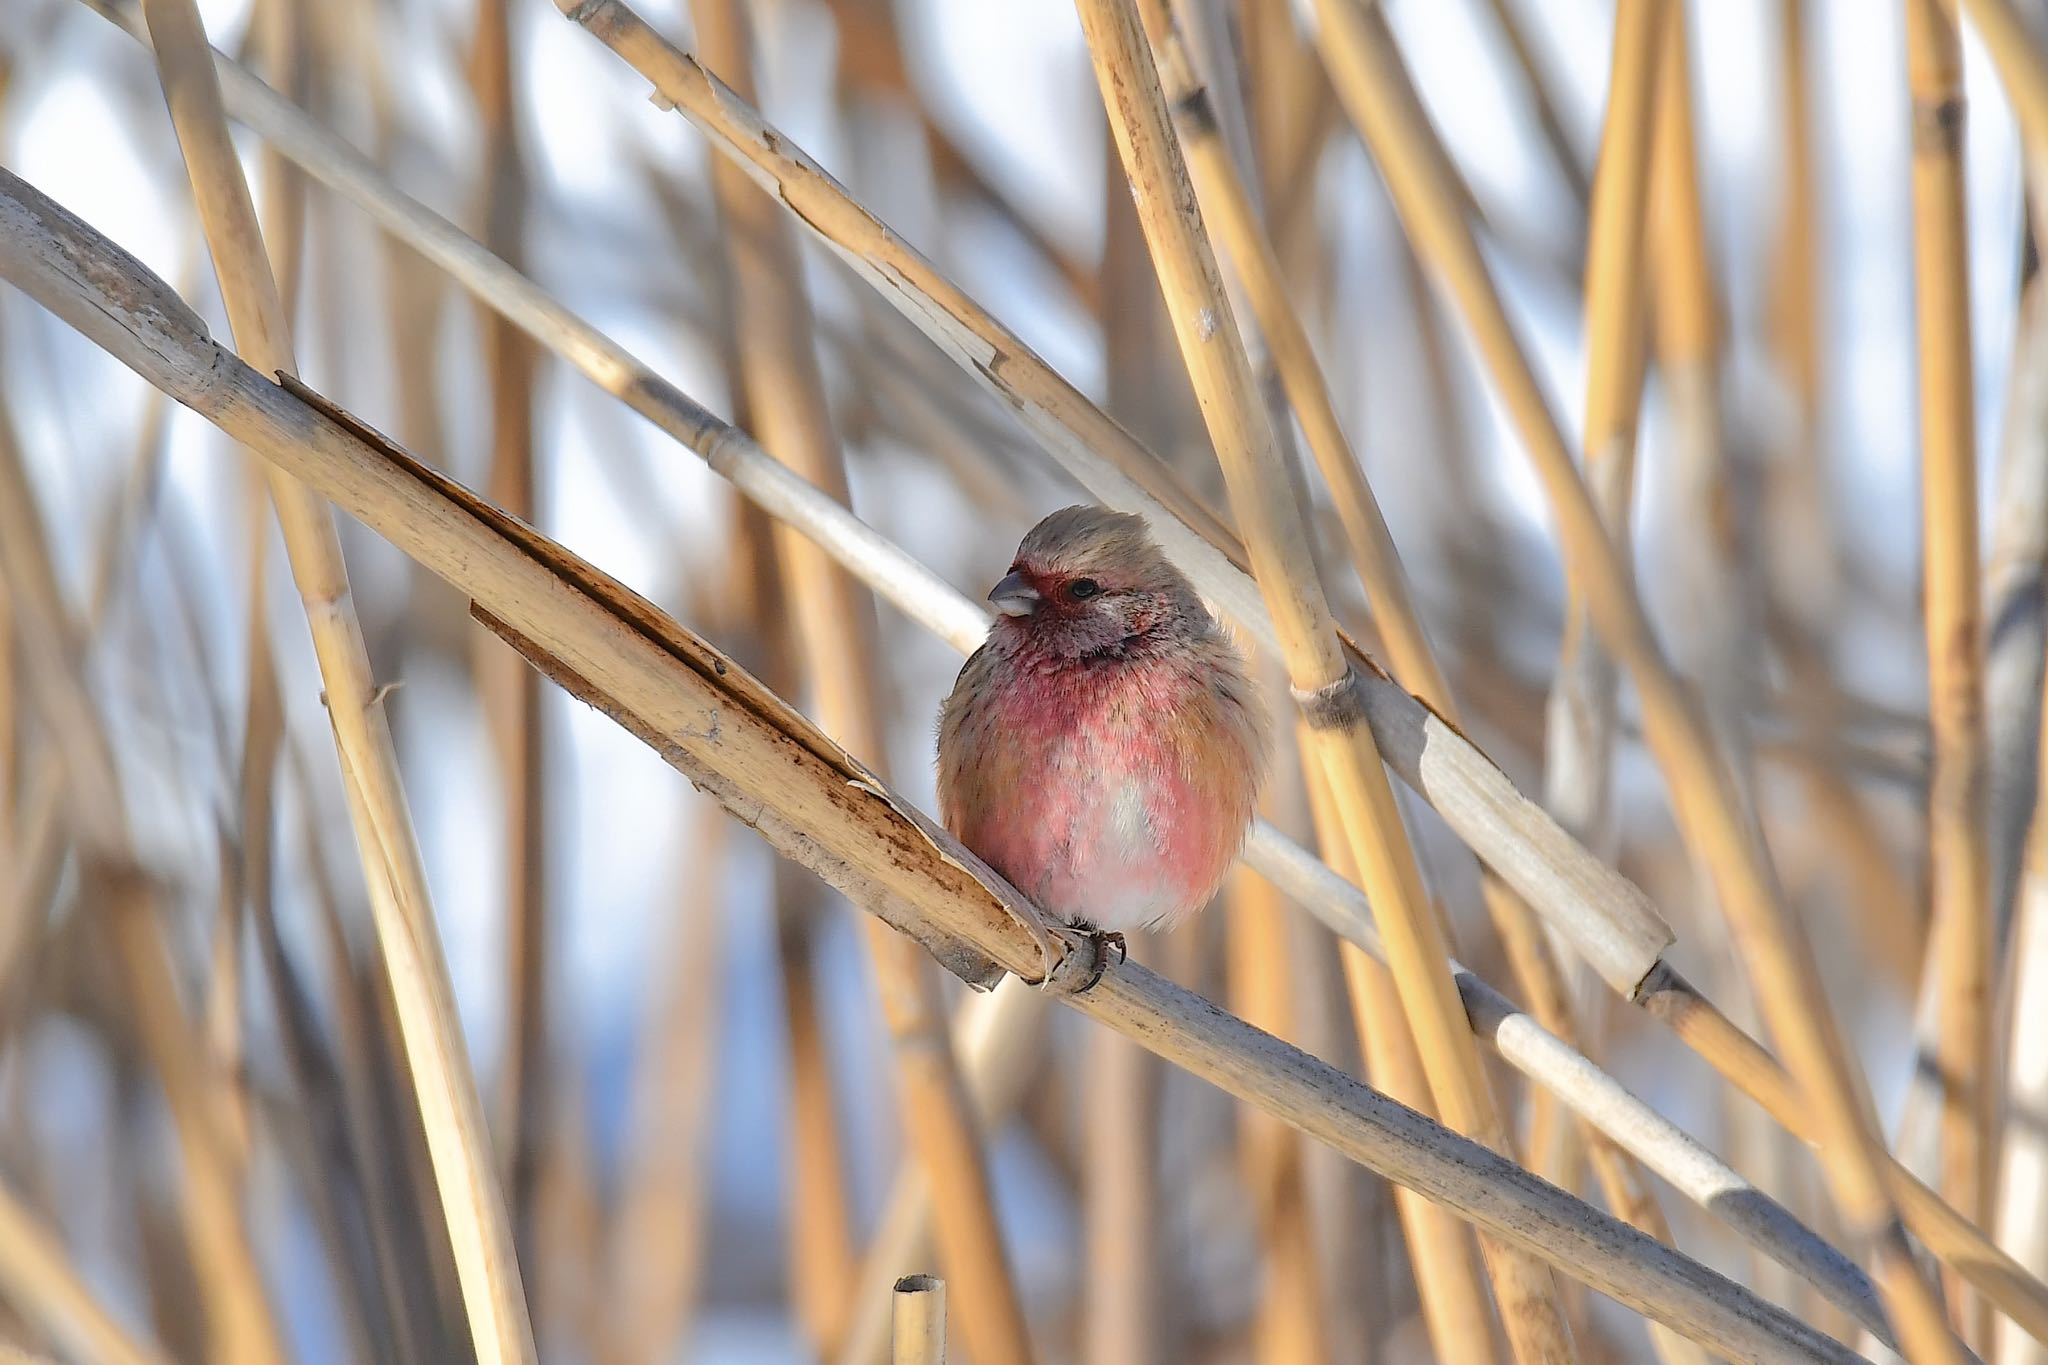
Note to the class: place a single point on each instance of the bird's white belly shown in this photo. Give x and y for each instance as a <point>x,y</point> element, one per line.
<point>1117,877</point>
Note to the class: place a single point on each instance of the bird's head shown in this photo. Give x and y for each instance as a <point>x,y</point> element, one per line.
<point>1088,582</point>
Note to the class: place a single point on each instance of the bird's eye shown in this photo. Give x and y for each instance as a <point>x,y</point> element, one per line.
<point>1081,589</point>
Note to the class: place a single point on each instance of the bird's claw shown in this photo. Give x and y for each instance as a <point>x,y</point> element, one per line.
<point>1086,960</point>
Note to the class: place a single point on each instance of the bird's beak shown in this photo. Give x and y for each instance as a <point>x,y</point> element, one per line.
<point>1015,596</point>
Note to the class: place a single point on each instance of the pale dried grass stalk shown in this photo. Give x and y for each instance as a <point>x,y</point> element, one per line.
<point>445,1088</point>
<point>1960,935</point>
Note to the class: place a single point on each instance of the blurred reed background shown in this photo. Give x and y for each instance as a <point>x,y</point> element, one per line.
<point>1655,390</point>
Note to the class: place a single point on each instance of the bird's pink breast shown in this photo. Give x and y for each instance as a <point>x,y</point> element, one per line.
<point>1110,795</point>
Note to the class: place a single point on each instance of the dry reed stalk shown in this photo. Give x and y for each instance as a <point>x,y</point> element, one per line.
<point>917,1309</point>
<point>38,1279</point>
<point>2015,587</point>
<point>662,1227</point>
<point>239,1323</point>
<point>817,1226</point>
<point>1542,100</point>
<point>1960,940</point>
<point>1580,731</point>
<point>1318,670</point>
<point>833,625</point>
<point>2023,1187</point>
<point>445,1088</point>
<point>1455,1307</point>
<point>1374,85</point>
<point>1121,1306</point>
<point>822,1256</point>
<point>1428,749</point>
<point>1288,1322</point>
<point>807,797</point>
<point>508,689</point>
<point>2016,54</point>
<point>1611,922</point>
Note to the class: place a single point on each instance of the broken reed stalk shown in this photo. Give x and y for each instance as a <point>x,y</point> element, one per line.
<point>808,798</point>
<point>1374,85</point>
<point>510,693</point>
<point>918,1321</point>
<point>1960,934</point>
<point>995,1035</point>
<point>1430,756</point>
<point>1261,495</point>
<point>403,914</point>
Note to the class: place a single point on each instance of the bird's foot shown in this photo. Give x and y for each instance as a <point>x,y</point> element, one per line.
<point>1086,961</point>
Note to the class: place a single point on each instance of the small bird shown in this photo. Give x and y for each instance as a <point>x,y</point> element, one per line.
<point>1103,749</point>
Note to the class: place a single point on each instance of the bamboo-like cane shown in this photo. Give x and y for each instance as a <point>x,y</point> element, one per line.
<point>834,626</point>
<point>925,597</point>
<point>38,1279</point>
<point>1960,944</point>
<point>391,862</point>
<point>807,797</point>
<point>509,691</point>
<point>1375,88</point>
<point>1316,666</point>
<point>918,1315</point>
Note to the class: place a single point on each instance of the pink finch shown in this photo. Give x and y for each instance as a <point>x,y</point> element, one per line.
<point>1103,748</point>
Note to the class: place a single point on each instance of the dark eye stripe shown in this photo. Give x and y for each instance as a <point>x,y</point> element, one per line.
<point>1082,588</point>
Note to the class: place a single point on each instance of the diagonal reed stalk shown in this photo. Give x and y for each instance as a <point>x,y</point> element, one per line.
<point>1960,937</point>
<point>444,1086</point>
<point>1374,85</point>
<point>1317,668</point>
<point>834,628</point>
<point>807,797</point>
<point>1404,733</point>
